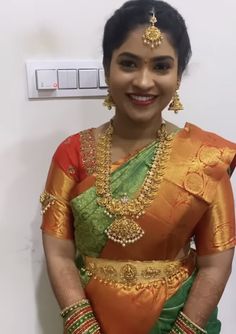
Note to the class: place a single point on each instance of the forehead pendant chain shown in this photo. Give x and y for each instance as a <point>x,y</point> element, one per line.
<point>152,36</point>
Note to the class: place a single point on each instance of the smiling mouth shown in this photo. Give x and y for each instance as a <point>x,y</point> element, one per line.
<point>142,99</point>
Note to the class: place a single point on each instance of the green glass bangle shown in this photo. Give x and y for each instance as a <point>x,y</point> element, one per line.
<point>77,312</point>
<point>79,322</point>
<point>177,330</point>
<point>191,324</point>
<point>94,328</point>
<point>74,306</point>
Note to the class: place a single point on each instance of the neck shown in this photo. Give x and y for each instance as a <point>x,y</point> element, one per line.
<point>127,129</point>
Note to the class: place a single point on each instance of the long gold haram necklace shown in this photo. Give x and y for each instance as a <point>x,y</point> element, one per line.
<point>125,211</point>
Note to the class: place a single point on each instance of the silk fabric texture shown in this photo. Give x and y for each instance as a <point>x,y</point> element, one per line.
<point>191,203</point>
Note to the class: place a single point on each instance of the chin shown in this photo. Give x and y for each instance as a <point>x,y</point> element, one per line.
<point>141,117</point>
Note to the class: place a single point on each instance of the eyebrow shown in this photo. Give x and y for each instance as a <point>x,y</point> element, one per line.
<point>133,56</point>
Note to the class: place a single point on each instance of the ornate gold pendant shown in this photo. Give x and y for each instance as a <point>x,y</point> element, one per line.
<point>152,35</point>
<point>124,231</point>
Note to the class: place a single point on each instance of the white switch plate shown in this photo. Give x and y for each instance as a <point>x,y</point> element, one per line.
<point>67,79</point>
<point>102,79</point>
<point>33,65</point>
<point>46,79</point>
<point>88,78</point>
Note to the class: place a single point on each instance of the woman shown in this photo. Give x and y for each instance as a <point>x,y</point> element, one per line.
<point>123,202</point>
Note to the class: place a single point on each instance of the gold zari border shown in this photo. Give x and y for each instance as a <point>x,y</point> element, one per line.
<point>88,154</point>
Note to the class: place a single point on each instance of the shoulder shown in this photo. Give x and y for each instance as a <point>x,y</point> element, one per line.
<point>207,136</point>
<point>72,143</point>
<point>68,155</point>
<point>171,127</point>
<point>199,160</point>
<point>212,148</point>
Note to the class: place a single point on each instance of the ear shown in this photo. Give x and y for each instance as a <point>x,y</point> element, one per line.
<point>107,77</point>
<point>179,81</point>
<point>107,74</point>
<point>179,77</point>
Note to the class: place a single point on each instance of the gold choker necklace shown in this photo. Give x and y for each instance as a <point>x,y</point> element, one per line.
<point>125,211</point>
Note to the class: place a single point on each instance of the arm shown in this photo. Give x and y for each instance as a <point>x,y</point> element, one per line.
<point>62,271</point>
<point>214,271</point>
<point>65,280</point>
<point>58,240</point>
<point>57,224</point>
<point>215,241</point>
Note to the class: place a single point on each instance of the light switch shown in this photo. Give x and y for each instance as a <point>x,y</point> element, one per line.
<point>102,79</point>
<point>67,79</point>
<point>60,78</point>
<point>88,78</point>
<point>46,79</point>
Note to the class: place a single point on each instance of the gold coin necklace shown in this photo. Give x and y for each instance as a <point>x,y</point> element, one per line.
<point>125,211</point>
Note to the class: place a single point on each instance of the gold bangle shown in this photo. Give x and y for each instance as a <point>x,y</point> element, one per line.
<point>73,307</point>
<point>189,321</point>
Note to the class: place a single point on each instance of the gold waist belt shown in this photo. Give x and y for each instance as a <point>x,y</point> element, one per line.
<point>130,273</point>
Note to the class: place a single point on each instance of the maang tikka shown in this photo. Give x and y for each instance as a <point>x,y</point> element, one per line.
<point>152,36</point>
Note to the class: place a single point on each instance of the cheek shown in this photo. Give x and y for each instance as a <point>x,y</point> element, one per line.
<point>168,84</point>
<point>119,80</point>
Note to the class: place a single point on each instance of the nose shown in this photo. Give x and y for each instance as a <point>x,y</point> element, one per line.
<point>144,79</point>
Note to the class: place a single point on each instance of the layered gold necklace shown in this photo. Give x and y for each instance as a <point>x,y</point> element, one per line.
<point>125,211</point>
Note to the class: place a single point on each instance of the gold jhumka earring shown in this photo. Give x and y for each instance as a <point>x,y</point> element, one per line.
<point>152,36</point>
<point>108,101</point>
<point>176,104</point>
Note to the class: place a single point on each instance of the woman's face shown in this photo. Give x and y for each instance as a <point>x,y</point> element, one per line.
<point>142,81</point>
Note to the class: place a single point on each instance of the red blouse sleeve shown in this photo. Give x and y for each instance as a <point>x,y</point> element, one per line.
<point>64,173</point>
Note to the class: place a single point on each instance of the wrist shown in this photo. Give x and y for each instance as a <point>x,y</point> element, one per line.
<point>184,325</point>
<point>79,318</point>
<point>71,308</point>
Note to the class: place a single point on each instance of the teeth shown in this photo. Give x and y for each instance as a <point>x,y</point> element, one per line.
<point>142,98</point>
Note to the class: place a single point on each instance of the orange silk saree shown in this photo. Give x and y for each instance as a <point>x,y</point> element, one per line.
<point>130,287</point>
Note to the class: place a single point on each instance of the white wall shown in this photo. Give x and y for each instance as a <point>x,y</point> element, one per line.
<point>31,130</point>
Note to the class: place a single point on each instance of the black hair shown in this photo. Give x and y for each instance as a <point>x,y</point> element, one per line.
<point>138,12</point>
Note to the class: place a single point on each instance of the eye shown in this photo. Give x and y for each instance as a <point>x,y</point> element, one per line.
<point>127,64</point>
<point>162,66</point>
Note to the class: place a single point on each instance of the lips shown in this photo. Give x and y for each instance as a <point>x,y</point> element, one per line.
<point>142,99</point>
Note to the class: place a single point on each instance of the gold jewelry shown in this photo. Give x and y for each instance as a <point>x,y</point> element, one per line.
<point>74,306</point>
<point>152,36</point>
<point>185,325</point>
<point>176,104</point>
<point>137,273</point>
<point>125,211</point>
<point>108,101</point>
<point>46,200</point>
<point>191,324</point>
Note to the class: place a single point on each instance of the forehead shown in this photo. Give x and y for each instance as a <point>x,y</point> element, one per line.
<point>134,44</point>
